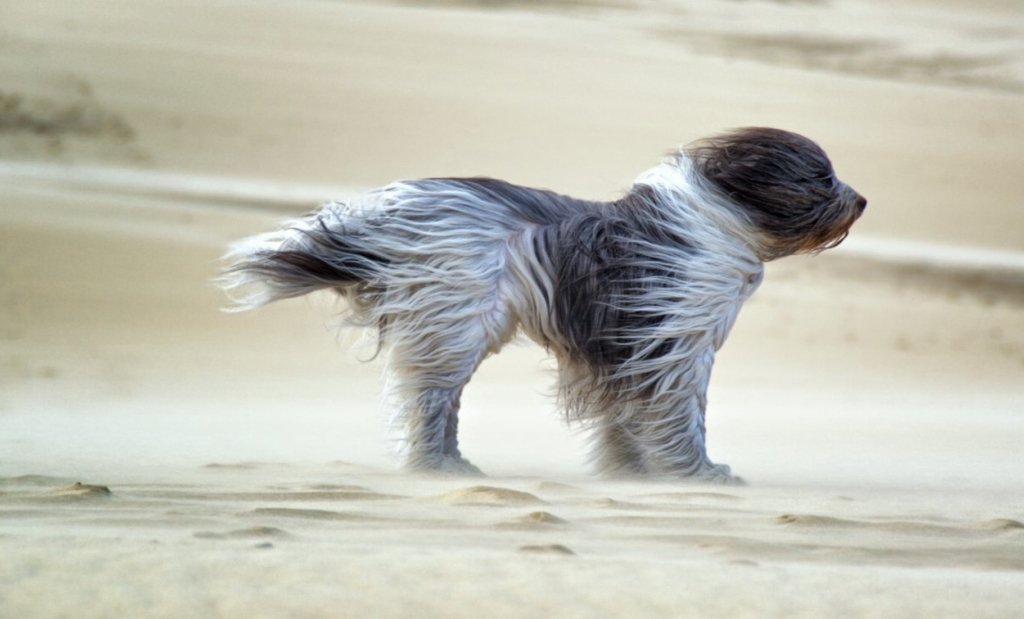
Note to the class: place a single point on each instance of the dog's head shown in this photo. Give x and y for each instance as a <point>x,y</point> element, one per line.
<point>784,183</point>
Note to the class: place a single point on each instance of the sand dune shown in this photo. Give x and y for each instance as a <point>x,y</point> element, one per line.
<point>159,458</point>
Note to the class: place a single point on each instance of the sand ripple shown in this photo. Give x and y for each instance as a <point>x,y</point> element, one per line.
<point>247,533</point>
<point>307,514</point>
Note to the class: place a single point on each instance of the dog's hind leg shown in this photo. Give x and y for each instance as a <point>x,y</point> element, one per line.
<point>428,371</point>
<point>431,425</point>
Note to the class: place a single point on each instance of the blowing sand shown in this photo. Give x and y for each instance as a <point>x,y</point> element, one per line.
<point>161,459</point>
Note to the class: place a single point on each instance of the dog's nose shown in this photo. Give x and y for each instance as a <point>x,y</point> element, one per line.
<point>861,203</point>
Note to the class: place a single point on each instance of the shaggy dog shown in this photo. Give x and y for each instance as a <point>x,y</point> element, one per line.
<point>633,296</point>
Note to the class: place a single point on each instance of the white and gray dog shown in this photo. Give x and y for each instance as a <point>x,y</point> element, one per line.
<point>633,296</point>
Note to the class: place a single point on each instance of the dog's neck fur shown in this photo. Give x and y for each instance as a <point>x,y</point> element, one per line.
<point>693,204</point>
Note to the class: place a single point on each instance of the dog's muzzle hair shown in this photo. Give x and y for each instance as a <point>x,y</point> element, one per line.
<point>633,297</point>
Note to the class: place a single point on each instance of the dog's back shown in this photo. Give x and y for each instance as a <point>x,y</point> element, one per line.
<point>405,234</point>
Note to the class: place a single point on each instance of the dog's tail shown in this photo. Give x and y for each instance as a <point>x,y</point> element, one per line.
<point>313,253</point>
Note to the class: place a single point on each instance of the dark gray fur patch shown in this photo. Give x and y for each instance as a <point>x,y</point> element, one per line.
<point>529,205</point>
<point>325,258</point>
<point>603,268</point>
<point>596,252</point>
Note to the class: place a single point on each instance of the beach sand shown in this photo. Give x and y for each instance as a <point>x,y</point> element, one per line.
<point>160,458</point>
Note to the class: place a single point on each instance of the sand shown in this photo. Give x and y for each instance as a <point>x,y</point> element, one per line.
<point>159,458</point>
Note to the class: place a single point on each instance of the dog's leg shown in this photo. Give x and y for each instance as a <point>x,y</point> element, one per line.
<point>617,453</point>
<point>429,367</point>
<point>667,448</point>
<point>675,443</point>
<point>432,428</point>
<point>667,425</point>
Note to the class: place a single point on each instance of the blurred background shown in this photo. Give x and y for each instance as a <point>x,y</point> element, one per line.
<point>138,138</point>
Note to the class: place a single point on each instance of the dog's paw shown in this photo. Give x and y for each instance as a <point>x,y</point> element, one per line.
<point>444,465</point>
<point>458,466</point>
<point>718,474</point>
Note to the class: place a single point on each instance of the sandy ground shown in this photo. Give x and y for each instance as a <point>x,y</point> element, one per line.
<point>239,465</point>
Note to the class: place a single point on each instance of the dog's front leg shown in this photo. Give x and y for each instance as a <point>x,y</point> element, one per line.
<point>676,446</point>
<point>682,452</point>
<point>669,425</point>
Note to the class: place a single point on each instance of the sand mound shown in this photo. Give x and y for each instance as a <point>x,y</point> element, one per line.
<point>1003,524</point>
<point>490,495</point>
<point>73,493</point>
<point>539,519</point>
<point>556,486</point>
<point>546,549</point>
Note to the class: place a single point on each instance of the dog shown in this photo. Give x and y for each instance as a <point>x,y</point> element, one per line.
<point>633,296</point>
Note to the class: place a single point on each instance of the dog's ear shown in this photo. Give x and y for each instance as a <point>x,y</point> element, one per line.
<point>784,183</point>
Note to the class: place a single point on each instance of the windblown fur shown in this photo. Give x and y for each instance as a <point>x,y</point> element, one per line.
<point>633,297</point>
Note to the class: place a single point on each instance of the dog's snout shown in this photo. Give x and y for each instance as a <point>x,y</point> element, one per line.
<point>861,203</point>
<point>848,195</point>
